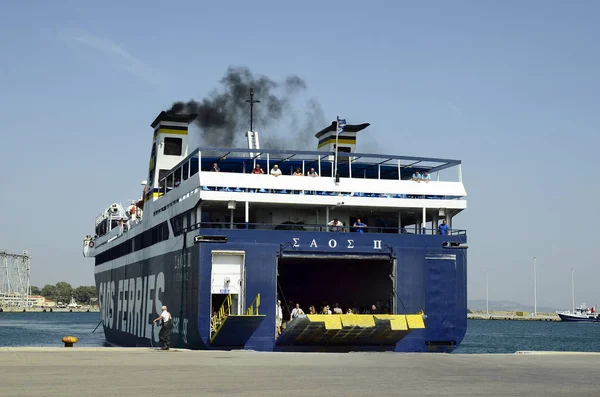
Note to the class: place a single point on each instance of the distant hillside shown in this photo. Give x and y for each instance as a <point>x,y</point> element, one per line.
<point>479,304</point>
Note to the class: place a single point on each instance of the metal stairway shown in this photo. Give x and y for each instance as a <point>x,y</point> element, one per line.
<point>233,331</point>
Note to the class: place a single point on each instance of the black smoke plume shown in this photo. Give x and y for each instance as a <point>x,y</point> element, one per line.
<point>224,116</point>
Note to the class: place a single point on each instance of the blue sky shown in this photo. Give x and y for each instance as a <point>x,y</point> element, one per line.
<point>510,88</point>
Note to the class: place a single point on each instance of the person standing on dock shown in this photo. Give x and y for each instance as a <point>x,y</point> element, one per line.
<point>164,336</point>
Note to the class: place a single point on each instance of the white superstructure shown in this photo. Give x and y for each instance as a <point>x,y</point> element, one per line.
<point>182,192</point>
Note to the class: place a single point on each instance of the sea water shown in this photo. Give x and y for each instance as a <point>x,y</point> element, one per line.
<point>483,336</point>
<point>506,336</point>
<point>47,329</point>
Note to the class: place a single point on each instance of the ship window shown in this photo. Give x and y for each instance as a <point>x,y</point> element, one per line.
<point>186,168</point>
<point>193,166</point>
<point>177,225</point>
<point>161,175</point>
<point>146,239</point>
<point>173,146</point>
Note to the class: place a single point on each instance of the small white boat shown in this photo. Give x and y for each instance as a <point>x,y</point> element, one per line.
<point>73,304</point>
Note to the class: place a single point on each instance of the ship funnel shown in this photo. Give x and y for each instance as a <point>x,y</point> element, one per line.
<point>169,147</point>
<point>346,140</point>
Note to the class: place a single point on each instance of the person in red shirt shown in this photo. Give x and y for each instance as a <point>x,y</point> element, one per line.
<point>257,169</point>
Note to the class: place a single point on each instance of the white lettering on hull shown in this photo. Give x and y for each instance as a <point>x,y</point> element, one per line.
<point>184,330</point>
<point>120,306</point>
<point>160,287</point>
<point>138,302</point>
<point>332,243</point>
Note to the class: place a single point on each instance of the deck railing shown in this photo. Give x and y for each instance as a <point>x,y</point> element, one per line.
<point>379,167</point>
<point>222,314</point>
<point>302,227</point>
<point>253,308</point>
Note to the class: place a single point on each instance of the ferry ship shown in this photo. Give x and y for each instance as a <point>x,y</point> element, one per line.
<point>220,249</point>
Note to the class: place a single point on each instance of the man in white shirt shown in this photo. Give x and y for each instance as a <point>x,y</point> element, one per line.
<point>278,318</point>
<point>275,171</point>
<point>164,336</point>
<point>337,309</point>
<point>335,226</point>
<point>297,311</point>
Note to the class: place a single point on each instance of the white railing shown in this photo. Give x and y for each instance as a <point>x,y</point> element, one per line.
<point>328,184</point>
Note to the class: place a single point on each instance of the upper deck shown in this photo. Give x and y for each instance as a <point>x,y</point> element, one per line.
<point>376,187</point>
<point>363,180</point>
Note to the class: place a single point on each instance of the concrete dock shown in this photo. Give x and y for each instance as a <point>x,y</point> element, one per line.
<point>144,372</point>
<point>506,315</point>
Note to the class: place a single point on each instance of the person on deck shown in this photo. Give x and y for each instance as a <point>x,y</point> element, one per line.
<point>275,171</point>
<point>335,226</point>
<point>215,168</point>
<point>257,169</point>
<point>443,228</point>
<point>164,336</point>
<point>359,226</point>
<point>417,177</point>
<point>312,173</point>
<point>426,177</point>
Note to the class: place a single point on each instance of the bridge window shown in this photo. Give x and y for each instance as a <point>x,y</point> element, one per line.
<point>173,146</point>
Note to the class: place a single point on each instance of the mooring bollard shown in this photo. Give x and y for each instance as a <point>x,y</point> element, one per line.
<point>69,340</point>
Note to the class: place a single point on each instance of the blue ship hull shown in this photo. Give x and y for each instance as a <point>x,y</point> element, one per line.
<point>427,277</point>
<point>566,317</point>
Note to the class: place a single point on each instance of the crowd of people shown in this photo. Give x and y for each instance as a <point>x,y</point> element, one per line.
<point>275,171</point>
<point>297,311</point>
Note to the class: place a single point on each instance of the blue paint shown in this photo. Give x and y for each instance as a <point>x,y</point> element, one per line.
<point>428,278</point>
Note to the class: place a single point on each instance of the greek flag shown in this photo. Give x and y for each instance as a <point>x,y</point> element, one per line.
<point>341,123</point>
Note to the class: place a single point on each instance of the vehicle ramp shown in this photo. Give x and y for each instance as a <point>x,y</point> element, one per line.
<point>339,330</point>
<point>233,331</point>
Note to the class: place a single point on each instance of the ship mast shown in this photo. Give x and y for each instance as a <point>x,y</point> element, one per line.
<point>252,101</point>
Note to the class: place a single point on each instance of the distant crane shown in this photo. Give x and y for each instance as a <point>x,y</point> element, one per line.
<point>15,274</point>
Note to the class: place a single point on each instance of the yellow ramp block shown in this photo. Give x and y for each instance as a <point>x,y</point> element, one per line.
<point>415,321</point>
<point>331,321</point>
<point>358,320</point>
<point>397,321</point>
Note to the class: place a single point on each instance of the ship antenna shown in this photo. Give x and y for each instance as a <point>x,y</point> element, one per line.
<point>252,101</point>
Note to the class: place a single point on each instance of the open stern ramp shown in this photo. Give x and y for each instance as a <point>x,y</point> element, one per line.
<point>348,330</point>
<point>233,331</point>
